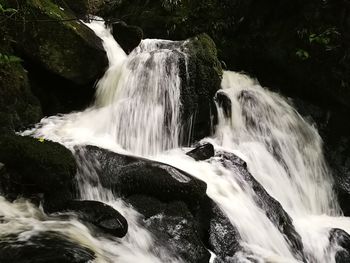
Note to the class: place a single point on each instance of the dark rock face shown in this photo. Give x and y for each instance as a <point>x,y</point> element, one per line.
<point>36,167</point>
<point>202,152</point>
<point>128,175</point>
<point>128,37</point>
<point>338,237</point>
<point>103,216</point>
<point>43,248</point>
<point>173,227</point>
<point>273,209</point>
<point>18,106</point>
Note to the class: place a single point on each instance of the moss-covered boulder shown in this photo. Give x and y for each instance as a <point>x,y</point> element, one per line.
<point>202,81</point>
<point>35,166</point>
<point>18,106</point>
<point>55,39</point>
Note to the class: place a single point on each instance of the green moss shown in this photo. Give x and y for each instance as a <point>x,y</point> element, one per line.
<point>48,165</point>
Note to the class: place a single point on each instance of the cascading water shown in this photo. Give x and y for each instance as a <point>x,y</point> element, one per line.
<point>137,110</point>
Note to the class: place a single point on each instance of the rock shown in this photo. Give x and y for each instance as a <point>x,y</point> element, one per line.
<point>225,103</point>
<point>35,166</point>
<point>222,238</point>
<point>199,86</point>
<point>129,175</point>
<point>202,152</point>
<point>338,237</point>
<point>19,108</point>
<point>173,227</point>
<point>102,216</point>
<point>47,247</point>
<point>273,209</point>
<point>65,48</point>
<point>128,37</point>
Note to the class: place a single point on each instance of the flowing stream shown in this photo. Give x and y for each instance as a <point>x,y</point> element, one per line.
<point>137,111</point>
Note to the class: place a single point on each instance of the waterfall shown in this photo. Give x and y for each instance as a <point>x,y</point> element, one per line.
<point>137,111</point>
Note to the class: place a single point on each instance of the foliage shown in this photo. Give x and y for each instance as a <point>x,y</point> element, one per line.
<point>302,54</point>
<point>8,59</point>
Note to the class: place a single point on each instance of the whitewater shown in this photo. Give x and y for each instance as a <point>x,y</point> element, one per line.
<point>137,112</point>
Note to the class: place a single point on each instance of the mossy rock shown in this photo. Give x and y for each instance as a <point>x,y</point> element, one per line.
<point>35,166</point>
<point>18,106</point>
<point>205,73</point>
<point>53,37</point>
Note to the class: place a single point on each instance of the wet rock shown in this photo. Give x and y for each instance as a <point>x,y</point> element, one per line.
<point>200,84</point>
<point>103,216</point>
<point>48,247</point>
<point>35,166</point>
<point>128,37</point>
<point>225,103</point>
<point>222,238</point>
<point>273,209</point>
<point>338,237</point>
<point>202,152</point>
<point>129,175</point>
<point>173,227</point>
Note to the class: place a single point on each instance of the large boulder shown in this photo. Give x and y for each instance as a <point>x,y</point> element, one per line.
<point>130,175</point>
<point>58,41</point>
<point>199,85</point>
<point>64,57</point>
<point>36,166</point>
<point>48,247</point>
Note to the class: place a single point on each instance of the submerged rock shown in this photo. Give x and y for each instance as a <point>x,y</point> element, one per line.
<point>173,227</point>
<point>202,152</point>
<point>272,208</point>
<point>103,216</point>
<point>48,247</point>
<point>129,175</point>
